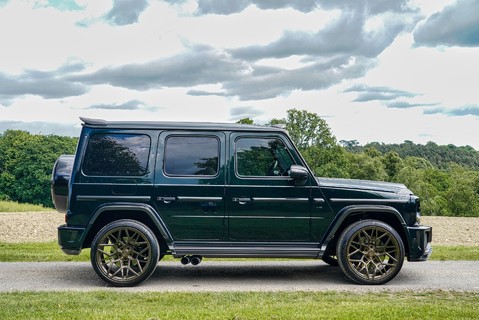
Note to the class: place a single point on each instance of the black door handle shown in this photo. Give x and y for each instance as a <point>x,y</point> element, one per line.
<point>241,200</point>
<point>166,199</point>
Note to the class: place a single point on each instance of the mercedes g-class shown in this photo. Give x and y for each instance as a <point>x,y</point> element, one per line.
<point>137,191</point>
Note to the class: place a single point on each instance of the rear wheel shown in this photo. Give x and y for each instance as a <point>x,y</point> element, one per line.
<point>370,252</point>
<point>124,253</point>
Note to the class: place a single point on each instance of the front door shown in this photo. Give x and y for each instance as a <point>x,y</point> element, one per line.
<point>264,204</point>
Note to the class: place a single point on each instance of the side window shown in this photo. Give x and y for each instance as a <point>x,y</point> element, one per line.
<point>262,157</point>
<point>191,156</point>
<point>117,155</point>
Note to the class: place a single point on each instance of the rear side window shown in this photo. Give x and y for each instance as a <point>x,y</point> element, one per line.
<point>117,155</point>
<point>191,156</point>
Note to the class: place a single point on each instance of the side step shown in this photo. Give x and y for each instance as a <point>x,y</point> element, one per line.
<point>187,250</point>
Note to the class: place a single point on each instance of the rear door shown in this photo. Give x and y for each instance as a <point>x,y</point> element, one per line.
<point>116,168</point>
<point>190,184</point>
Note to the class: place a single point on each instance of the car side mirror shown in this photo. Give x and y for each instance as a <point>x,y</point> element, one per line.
<point>299,174</point>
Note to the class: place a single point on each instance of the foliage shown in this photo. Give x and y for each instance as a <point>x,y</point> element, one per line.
<point>439,156</point>
<point>26,163</point>
<point>245,121</point>
<point>313,137</point>
<point>445,177</point>
<point>450,192</point>
<point>307,129</point>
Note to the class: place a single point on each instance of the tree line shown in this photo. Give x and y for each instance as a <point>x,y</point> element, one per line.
<point>445,177</point>
<point>439,156</point>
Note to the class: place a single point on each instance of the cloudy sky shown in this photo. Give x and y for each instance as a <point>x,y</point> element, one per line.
<point>375,70</point>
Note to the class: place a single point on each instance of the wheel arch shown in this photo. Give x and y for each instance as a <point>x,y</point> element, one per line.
<point>351,214</point>
<point>140,212</point>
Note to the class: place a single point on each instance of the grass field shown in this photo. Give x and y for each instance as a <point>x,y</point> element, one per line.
<point>240,305</point>
<point>11,206</point>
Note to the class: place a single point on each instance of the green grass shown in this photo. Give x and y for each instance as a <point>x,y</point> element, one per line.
<point>50,251</point>
<point>239,305</point>
<point>37,252</point>
<point>12,206</point>
<point>455,253</point>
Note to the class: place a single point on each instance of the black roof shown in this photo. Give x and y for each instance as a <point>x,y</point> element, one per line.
<point>100,123</point>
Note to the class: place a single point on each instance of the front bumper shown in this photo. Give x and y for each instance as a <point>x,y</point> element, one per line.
<point>70,239</point>
<point>420,238</point>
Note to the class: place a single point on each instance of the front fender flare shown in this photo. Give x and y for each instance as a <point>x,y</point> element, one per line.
<point>356,210</point>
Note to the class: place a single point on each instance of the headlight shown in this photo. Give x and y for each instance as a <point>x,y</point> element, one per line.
<point>418,211</point>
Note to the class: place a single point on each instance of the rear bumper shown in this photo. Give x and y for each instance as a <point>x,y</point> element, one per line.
<point>69,239</point>
<point>420,239</point>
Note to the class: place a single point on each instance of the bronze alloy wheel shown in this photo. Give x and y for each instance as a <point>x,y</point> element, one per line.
<point>124,253</point>
<point>370,252</point>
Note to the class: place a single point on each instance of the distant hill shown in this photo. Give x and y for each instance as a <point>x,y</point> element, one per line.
<point>438,155</point>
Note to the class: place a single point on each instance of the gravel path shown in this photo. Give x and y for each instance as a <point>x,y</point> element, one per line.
<point>42,227</point>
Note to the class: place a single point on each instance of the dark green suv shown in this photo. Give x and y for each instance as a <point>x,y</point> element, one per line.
<point>137,191</point>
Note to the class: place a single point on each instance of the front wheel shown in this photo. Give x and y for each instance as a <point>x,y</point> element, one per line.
<point>370,252</point>
<point>124,253</point>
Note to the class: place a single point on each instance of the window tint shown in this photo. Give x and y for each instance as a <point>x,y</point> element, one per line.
<point>117,155</point>
<point>262,157</point>
<point>191,156</point>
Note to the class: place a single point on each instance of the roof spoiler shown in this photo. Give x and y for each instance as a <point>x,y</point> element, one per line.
<point>96,122</point>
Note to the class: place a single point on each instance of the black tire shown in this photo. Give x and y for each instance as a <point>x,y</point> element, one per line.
<point>370,252</point>
<point>331,260</point>
<point>124,253</point>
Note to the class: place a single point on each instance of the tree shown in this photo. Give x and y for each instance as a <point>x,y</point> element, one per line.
<point>307,129</point>
<point>313,137</point>
<point>245,121</point>
<point>462,194</point>
<point>438,155</point>
<point>26,163</point>
<point>350,145</point>
<point>363,166</point>
<point>327,162</point>
<point>392,164</point>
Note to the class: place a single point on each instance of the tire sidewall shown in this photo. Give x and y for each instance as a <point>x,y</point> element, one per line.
<point>140,227</point>
<point>342,248</point>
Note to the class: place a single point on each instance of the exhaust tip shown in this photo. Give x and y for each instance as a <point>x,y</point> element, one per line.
<point>185,260</point>
<point>195,260</point>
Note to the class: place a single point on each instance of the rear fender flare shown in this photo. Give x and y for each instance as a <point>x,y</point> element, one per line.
<point>144,208</point>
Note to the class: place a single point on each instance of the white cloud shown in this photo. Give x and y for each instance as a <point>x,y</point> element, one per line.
<point>189,61</point>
